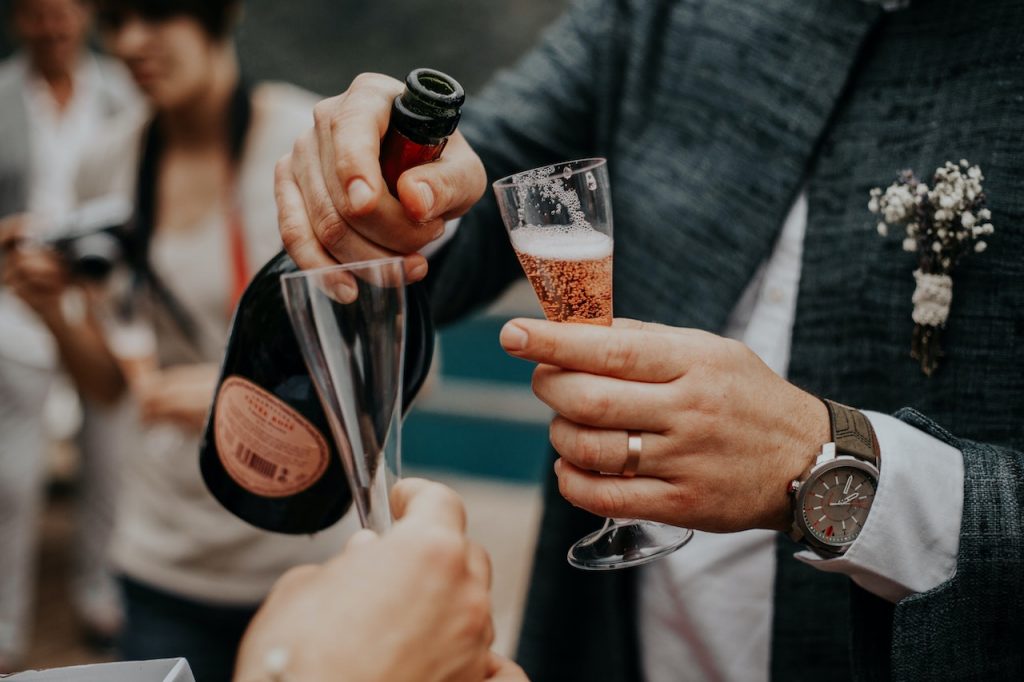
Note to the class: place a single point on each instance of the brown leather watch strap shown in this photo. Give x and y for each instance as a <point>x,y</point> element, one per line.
<point>852,432</point>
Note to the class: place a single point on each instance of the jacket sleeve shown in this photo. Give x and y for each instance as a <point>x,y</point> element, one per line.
<point>971,626</point>
<point>541,111</point>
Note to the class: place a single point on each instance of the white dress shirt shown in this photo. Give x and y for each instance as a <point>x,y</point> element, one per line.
<point>57,140</point>
<point>706,611</point>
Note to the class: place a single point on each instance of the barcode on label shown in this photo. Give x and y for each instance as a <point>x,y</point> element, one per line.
<point>255,462</point>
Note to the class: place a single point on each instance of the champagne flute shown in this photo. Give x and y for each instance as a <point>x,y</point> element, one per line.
<point>559,220</point>
<point>350,324</point>
<point>133,344</point>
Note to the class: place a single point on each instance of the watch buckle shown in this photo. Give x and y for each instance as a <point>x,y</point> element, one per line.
<point>828,453</point>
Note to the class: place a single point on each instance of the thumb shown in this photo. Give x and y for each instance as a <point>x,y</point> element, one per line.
<point>446,188</point>
<point>501,669</point>
<point>361,538</point>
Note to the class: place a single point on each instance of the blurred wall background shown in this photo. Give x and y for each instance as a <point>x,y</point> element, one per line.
<point>322,44</point>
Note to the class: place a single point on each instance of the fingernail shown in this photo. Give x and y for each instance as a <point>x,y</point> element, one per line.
<point>361,538</point>
<point>426,198</point>
<point>359,194</point>
<point>344,292</point>
<point>418,272</point>
<point>513,337</point>
<point>558,467</point>
<point>439,232</point>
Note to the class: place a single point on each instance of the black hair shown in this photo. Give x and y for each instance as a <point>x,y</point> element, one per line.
<point>215,16</point>
<point>14,5</point>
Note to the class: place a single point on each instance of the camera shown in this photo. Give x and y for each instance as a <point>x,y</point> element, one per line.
<point>94,239</point>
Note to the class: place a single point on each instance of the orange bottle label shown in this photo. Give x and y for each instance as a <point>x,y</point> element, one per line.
<point>264,444</point>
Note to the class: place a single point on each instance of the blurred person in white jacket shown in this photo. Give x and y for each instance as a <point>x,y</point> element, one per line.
<point>55,96</point>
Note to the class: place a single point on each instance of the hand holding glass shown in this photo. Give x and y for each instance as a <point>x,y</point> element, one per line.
<point>559,219</point>
<point>349,321</point>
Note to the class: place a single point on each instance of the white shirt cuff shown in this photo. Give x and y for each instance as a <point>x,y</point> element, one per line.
<point>450,227</point>
<point>911,537</point>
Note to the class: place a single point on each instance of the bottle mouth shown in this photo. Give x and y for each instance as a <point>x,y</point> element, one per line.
<point>429,106</point>
<point>434,89</point>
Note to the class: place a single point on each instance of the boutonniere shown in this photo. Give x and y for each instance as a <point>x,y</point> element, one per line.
<point>943,223</point>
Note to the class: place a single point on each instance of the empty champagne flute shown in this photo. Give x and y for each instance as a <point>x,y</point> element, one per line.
<point>559,219</point>
<point>349,321</point>
<point>133,343</point>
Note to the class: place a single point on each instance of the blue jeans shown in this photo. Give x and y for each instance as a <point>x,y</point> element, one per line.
<point>159,624</point>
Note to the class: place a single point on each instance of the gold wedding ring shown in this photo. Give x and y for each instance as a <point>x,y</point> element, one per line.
<point>634,444</point>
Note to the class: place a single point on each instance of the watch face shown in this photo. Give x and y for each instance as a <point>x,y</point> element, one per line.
<point>836,504</point>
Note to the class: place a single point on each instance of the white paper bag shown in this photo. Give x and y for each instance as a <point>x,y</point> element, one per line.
<point>166,670</point>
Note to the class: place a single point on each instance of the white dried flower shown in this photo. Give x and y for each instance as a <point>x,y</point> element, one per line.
<point>896,204</point>
<point>946,219</point>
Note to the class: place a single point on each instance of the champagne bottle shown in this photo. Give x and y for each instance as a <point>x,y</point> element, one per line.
<point>267,453</point>
<point>422,118</point>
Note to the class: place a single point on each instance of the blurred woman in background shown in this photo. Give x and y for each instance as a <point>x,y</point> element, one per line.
<point>199,170</point>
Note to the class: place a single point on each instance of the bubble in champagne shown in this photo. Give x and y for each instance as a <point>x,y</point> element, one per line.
<point>558,192</point>
<point>570,269</point>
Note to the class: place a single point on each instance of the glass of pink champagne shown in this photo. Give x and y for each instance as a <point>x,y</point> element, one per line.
<point>559,219</point>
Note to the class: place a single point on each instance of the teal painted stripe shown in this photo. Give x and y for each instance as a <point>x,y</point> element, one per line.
<point>470,350</point>
<point>479,447</point>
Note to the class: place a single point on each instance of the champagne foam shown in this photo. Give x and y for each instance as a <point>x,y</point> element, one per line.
<point>561,243</point>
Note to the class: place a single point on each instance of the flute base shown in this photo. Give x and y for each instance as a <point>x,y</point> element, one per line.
<point>624,543</point>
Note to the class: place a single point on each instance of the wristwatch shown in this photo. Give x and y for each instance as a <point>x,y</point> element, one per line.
<point>832,499</point>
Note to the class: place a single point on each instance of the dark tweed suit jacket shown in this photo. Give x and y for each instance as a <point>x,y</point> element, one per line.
<point>713,114</point>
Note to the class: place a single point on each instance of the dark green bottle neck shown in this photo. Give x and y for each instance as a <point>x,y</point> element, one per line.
<point>429,107</point>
